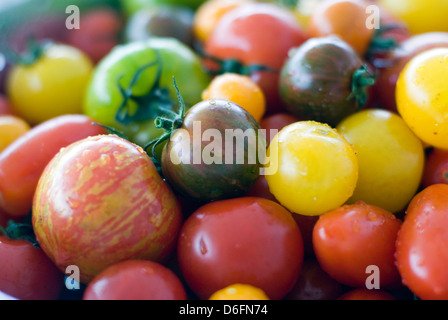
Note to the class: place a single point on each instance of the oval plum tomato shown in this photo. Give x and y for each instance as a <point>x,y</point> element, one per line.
<point>344,18</point>
<point>421,253</point>
<point>313,168</point>
<point>436,168</point>
<point>11,127</point>
<point>366,294</point>
<point>239,292</point>
<point>135,280</point>
<point>236,241</point>
<point>422,98</point>
<point>51,85</point>
<point>19,176</point>
<point>419,16</point>
<point>100,201</point>
<point>239,89</point>
<point>244,36</point>
<point>397,59</point>
<point>324,80</point>
<point>349,239</point>
<point>390,158</point>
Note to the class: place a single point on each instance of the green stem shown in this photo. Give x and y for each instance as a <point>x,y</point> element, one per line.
<point>20,231</point>
<point>361,80</point>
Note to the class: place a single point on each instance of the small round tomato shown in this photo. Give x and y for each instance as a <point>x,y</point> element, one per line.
<point>100,201</point>
<point>239,292</point>
<point>11,127</point>
<point>344,18</point>
<point>390,157</point>
<point>276,122</point>
<point>366,294</point>
<point>312,168</point>
<point>239,89</point>
<point>422,98</point>
<point>421,246</point>
<point>243,240</point>
<point>52,85</point>
<point>436,168</point>
<point>351,238</point>
<point>135,280</point>
<point>5,106</point>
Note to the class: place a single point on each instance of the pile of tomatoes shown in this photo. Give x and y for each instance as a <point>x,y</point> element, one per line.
<point>105,192</point>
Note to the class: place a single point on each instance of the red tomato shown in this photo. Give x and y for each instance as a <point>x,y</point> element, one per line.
<point>351,238</point>
<point>436,168</point>
<point>366,294</point>
<point>24,160</point>
<point>422,244</point>
<point>101,200</point>
<point>26,272</point>
<point>257,33</point>
<point>5,107</point>
<point>276,122</point>
<point>243,240</point>
<point>135,280</point>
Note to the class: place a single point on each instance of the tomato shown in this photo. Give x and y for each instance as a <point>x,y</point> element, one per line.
<point>366,294</point>
<point>421,244</point>
<point>313,168</point>
<point>258,26</point>
<point>100,201</point>
<point>349,239</point>
<point>315,284</point>
<point>161,21</point>
<point>390,157</point>
<point>240,90</point>
<point>133,84</point>
<point>11,127</point>
<point>419,16</point>
<point>276,122</point>
<point>215,152</point>
<point>436,168</point>
<point>19,176</point>
<point>98,34</point>
<point>396,60</point>
<point>324,80</point>
<point>422,100</point>
<point>5,106</point>
<point>236,241</point>
<point>344,18</point>
<point>52,85</point>
<point>239,292</point>
<point>135,280</point>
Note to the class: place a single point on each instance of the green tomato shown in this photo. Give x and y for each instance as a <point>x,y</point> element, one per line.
<point>133,85</point>
<point>132,6</point>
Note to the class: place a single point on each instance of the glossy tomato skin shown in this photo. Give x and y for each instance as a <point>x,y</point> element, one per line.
<point>352,237</point>
<point>243,240</point>
<point>135,280</point>
<point>27,273</point>
<point>11,127</point>
<point>436,168</point>
<point>100,201</point>
<point>366,294</point>
<point>257,26</point>
<point>19,176</point>
<point>315,81</point>
<point>224,173</point>
<point>421,252</point>
<point>276,122</point>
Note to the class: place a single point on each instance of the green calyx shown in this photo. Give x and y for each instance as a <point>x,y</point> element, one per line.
<point>34,50</point>
<point>20,231</point>
<point>361,80</point>
<point>382,44</point>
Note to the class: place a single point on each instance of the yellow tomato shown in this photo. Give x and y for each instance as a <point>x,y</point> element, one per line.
<point>317,168</point>
<point>422,96</point>
<point>239,89</point>
<point>239,292</point>
<point>11,127</point>
<point>390,158</point>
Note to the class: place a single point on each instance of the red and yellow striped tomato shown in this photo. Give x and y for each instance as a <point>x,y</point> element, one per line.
<point>101,200</point>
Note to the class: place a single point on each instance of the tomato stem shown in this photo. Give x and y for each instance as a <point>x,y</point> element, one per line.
<point>32,53</point>
<point>362,78</point>
<point>382,44</point>
<point>20,231</point>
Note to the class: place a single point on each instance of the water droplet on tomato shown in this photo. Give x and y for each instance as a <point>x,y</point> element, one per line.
<point>202,246</point>
<point>73,203</point>
<point>105,158</point>
<point>372,216</point>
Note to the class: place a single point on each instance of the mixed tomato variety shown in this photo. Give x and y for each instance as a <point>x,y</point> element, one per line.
<point>224,150</point>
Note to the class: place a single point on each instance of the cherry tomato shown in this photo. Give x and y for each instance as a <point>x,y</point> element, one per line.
<point>19,176</point>
<point>52,85</point>
<point>100,201</point>
<point>276,122</point>
<point>135,280</point>
<point>366,294</point>
<point>11,127</point>
<point>349,239</point>
<point>436,168</point>
<point>5,106</point>
<point>421,246</point>
<point>239,292</point>
<point>239,89</point>
<point>422,98</point>
<point>390,157</point>
<point>344,18</point>
<point>314,169</point>
<point>243,240</point>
